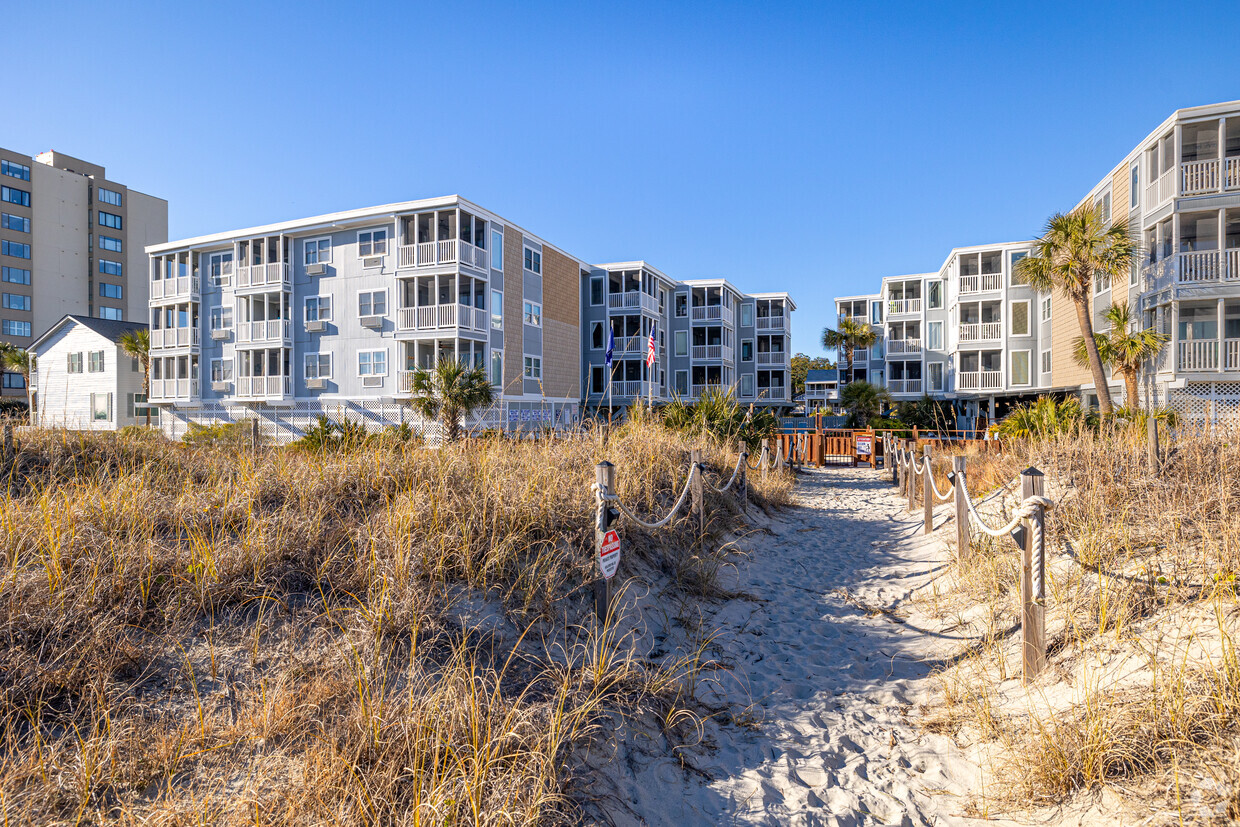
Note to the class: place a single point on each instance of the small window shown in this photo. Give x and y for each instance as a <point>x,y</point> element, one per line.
<point>16,275</point>
<point>1046,308</point>
<point>95,361</point>
<point>21,224</point>
<point>317,250</point>
<point>101,407</point>
<point>497,310</point>
<point>1046,361</point>
<point>497,249</point>
<point>113,313</point>
<point>682,305</point>
<point>746,350</point>
<point>221,318</point>
<point>497,367</point>
<point>747,384</point>
<point>75,363</point>
<point>15,170</point>
<point>934,295</point>
<point>109,196</point>
<point>372,363</point>
<point>112,245</point>
<point>221,370</point>
<point>533,367</point>
<point>533,260</point>
<point>372,243</point>
<point>597,340</point>
<point>596,291</point>
<point>1102,282</point>
<point>111,268</point>
<point>533,314</point>
<point>319,365</point>
<point>111,291</point>
<point>680,340</point>
<point>598,379</point>
<point>372,303</point>
<point>1020,367</point>
<point>1020,318</point>
<point>113,222</point>
<point>319,309</point>
<point>13,195</point>
<point>934,376</point>
<point>1134,180</point>
<point>934,335</point>
<point>13,381</point>
<point>747,314</point>
<point>14,248</point>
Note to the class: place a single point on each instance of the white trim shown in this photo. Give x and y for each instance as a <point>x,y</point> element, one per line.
<point>1012,317</point>
<point>372,351</point>
<point>675,382</point>
<point>497,313</point>
<point>603,282</point>
<point>358,303</point>
<point>536,257</point>
<point>752,321</point>
<point>1012,373</point>
<point>305,248</point>
<point>223,360</point>
<point>526,313</point>
<point>496,351</point>
<point>752,350</point>
<point>387,237</point>
<point>1046,308</point>
<point>305,308</point>
<point>929,325</point>
<point>1045,363</point>
<point>676,339</point>
<point>599,325</point>
<point>318,354</point>
<point>942,366</point>
<point>746,393</point>
<point>678,295</point>
<point>526,367</point>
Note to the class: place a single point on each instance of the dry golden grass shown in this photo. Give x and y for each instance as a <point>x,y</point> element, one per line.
<point>213,636</point>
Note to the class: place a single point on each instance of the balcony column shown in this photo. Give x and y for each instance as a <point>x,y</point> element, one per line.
<point>1175,335</point>
<point>1220,355</point>
<point>1175,171</point>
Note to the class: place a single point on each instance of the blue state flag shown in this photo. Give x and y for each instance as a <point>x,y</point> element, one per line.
<point>611,344</point>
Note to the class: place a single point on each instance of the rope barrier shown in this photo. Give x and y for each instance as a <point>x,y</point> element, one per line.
<point>735,472</point>
<point>624,509</point>
<point>1026,509</point>
<point>938,495</point>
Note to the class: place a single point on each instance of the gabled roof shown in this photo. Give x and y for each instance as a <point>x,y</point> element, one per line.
<point>108,328</point>
<point>827,375</point>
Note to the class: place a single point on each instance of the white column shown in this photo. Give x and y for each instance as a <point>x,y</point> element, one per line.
<point>1219,336</point>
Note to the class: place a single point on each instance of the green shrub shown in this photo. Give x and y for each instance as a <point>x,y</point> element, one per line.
<point>218,433</point>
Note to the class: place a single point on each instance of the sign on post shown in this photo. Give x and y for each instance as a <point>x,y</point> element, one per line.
<point>865,444</point>
<point>609,553</point>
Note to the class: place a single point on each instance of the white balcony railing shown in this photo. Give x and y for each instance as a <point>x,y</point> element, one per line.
<point>443,316</point>
<point>712,313</point>
<point>776,393</point>
<point>631,344</point>
<point>981,283</point>
<point>262,387</point>
<point>170,337</point>
<point>629,387</point>
<point>899,346</point>
<point>164,389</point>
<point>449,251</point>
<point>1199,176</point>
<point>272,330</point>
<point>404,381</point>
<point>1198,355</point>
<point>276,274</point>
<point>773,357</point>
<point>980,380</point>
<point>981,332</point>
<point>1160,191</point>
<point>697,391</point>
<point>772,322</point>
<point>711,352</point>
<point>860,357</point>
<point>181,287</point>
<point>633,300</point>
<point>1231,174</point>
<point>1196,267</point>
<point>1231,354</point>
<point>896,307</point>
<point>904,385</point>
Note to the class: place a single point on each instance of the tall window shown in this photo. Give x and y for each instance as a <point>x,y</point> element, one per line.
<point>497,310</point>
<point>1013,277</point>
<point>497,368</point>
<point>75,363</point>
<point>94,362</point>
<point>109,196</point>
<point>112,245</point>
<point>1046,308</point>
<point>1020,367</point>
<point>1134,179</point>
<point>101,406</point>
<point>597,340</point>
<point>681,303</point>
<point>876,312</point>
<point>13,195</point>
<point>15,222</point>
<point>934,335</point>
<point>680,342</point>
<point>372,243</point>
<point>111,268</point>
<point>497,249</point>
<point>934,374</point>
<point>598,380</point>
<point>934,295</point>
<point>15,170</point>
<point>746,384</point>
<point>107,219</point>
<point>596,291</point>
<point>746,350</point>
<point>1046,361</point>
<point>1020,318</point>
<point>747,314</point>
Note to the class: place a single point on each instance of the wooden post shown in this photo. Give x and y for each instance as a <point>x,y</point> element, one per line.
<point>889,457</point>
<point>605,477</point>
<point>927,496</point>
<point>911,477</point>
<point>1033,580</point>
<point>1151,441</point>
<point>9,452</point>
<point>698,492</point>
<point>254,434</point>
<point>743,482</point>
<point>962,510</point>
<point>766,456</point>
<point>897,468</point>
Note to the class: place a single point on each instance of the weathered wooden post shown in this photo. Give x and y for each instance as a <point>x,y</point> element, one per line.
<point>927,495</point>
<point>765,456</point>
<point>698,493</point>
<point>254,434</point>
<point>889,457</point>
<point>9,452</point>
<point>962,510</point>
<point>1151,441</point>
<point>911,477</point>
<point>743,482</point>
<point>605,478</point>
<point>779,452</point>
<point>1033,579</point>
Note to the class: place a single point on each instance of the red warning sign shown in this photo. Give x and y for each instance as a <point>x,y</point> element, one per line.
<point>609,553</point>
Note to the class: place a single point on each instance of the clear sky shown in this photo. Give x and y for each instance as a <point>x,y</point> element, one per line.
<point>811,148</point>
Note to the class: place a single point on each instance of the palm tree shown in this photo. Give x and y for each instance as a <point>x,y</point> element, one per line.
<point>1074,251</point>
<point>449,392</point>
<point>1124,349</point>
<point>851,334</point>
<point>137,344</point>
<point>863,402</point>
<point>13,358</point>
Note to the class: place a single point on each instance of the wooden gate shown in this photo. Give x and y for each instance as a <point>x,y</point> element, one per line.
<point>838,448</point>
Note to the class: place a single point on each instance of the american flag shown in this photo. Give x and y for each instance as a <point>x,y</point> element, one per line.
<point>650,349</point>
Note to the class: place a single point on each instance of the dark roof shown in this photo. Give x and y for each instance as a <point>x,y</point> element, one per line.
<point>108,328</point>
<point>830,375</point>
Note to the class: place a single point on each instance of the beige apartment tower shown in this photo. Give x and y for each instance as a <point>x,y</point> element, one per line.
<point>71,242</point>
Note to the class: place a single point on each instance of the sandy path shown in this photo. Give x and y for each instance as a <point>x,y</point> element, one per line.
<point>831,684</point>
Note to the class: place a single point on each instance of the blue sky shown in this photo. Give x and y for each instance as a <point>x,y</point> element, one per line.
<point>811,148</point>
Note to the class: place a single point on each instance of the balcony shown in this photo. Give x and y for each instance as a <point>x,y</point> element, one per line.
<point>631,345</point>
<point>980,380</point>
<point>773,393</point>
<point>814,394</point>
<point>712,313</point>
<point>163,338</point>
<point>698,391</point>
<point>711,352</point>
<point>982,283</point>
<point>1203,177</point>
<point>981,332</point>
<point>898,307</point>
<point>273,330</point>
<point>904,347</point>
<point>181,287</point>
<point>772,323</point>
<point>860,357</point>
<point>436,253</point>
<point>262,387</point>
<point>1161,190</point>
<point>778,358</point>
<point>632,300</point>
<point>276,275</point>
<point>1208,266</point>
<point>171,390</point>
<point>633,388</point>
<point>435,317</point>
<point>904,385</point>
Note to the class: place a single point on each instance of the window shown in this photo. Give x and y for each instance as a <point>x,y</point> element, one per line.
<point>372,243</point>
<point>1102,282</point>
<point>876,312</point>
<point>15,328</point>
<point>934,295</point>
<point>934,376</point>
<point>317,250</point>
<point>14,380</point>
<point>14,301</point>
<point>15,170</point>
<point>746,384</point>
<point>680,341</point>
<point>1104,207</point>
<point>221,318</point>
<point>112,245</point>
<point>107,219</point>
<point>682,305</point>
<point>1046,309</point>
<point>113,313</point>
<point>94,361</point>
<point>1133,180</point>
<point>497,250</point>
<point>372,303</point>
<point>13,195</point>
<point>682,382</point>
<point>497,368</point>
<point>934,335</point>
<point>75,363</point>
<point>497,310</point>
<point>319,308</point>
<point>319,365</point>
<point>109,196</point>
<point>1020,367</point>
<point>101,406</point>
<point>598,379</point>
<point>372,363</point>
<point>1020,318</point>
<point>533,367</point>
<point>15,222</point>
<point>533,260</point>
<point>111,268</point>
<point>596,291</point>
<point>13,248</point>
<point>16,275</point>
<point>221,370</point>
<point>137,408</point>
<point>1014,278</point>
<point>597,340</point>
<point>746,350</point>
<point>533,314</point>
<point>1046,361</point>
<point>747,315</point>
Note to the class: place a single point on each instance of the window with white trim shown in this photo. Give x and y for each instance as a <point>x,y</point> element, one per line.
<point>1134,179</point>
<point>934,295</point>
<point>533,314</point>
<point>746,350</point>
<point>597,340</point>
<point>1018,319</point>
<point>680,341</point>
<point>497,310</point>
<point>934,335</point>
<point>101,407</point>
<point>221,370</point>
<point>1046,308</point>
<point>682,305</point>
<point>94,361</point>
<point>372,363</point>
<point>746,384</point>
<point>1020,367</point>
<point>747,314</point>
<point>682,382</point>
<point>598,294</point>
<point>221,318</point>
<point>319,366</point>
<point>1102,282</point>
<point>317,250</point>
<point>75,363</point>
<point>934,376</point>
<point>598,379</point>
<point>497,248</point>
<point>497,368</point>
<point>372,243</point>
<point>1046,361</point>
<point>319,309</point>
<point>533,367</point>
<point>533,260</point>
<point>372,303</point>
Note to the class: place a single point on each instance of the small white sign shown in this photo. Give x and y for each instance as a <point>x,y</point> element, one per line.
<point>609,553</point>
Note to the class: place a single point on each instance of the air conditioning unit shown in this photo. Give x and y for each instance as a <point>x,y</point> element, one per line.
<point>370,262</point>
<point>316,384</point>
<point>372,321</point>
<point>316,326</point>
<point>221,333</point>
<point>316,269</point>
<point>221,387</point>
<point>372,381</point>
